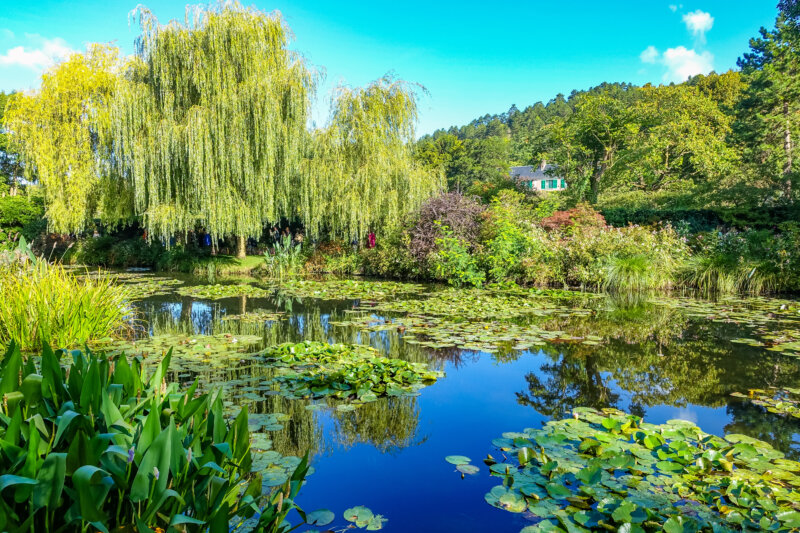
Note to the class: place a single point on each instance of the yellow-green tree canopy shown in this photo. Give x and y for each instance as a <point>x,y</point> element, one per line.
<point>209,127</point>
<point>365,177</point>
<point>58,130</point>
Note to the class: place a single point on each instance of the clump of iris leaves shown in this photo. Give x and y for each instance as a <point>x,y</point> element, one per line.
<point>100,443</point>
<point>607,470</point>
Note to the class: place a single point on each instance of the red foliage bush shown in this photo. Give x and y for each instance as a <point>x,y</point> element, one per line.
<point>582,216</point>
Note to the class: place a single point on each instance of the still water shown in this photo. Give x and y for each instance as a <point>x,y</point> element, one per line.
<point>659,358</point>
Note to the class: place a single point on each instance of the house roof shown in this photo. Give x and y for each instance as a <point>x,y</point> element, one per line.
<point>529,172</point>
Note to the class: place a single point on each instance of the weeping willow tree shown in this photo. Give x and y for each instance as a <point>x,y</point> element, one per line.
<point>58,133</point>
<point>364,175</point>
<point>210,127</point>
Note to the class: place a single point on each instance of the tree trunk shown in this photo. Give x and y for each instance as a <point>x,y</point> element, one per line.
<point>787,147</point>
<point>241,247</point>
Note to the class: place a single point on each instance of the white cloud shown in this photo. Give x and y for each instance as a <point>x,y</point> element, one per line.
<point>42,54</point>
<point>682,63</point>
<point>675,7</point>
<point>649,55</point>
<point>698,22</point>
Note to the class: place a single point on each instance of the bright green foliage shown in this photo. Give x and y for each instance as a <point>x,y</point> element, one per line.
<point>41,302</point>
<point>605,469</point>
<point>681,142</point>
<point>511,235</point>
<point>103,444</point>
<point>209,126</point>
<point>20,214</point>
<point>10,165</point>
<point>586,145</point>
<point>453,262</point>
<point>366,177</point>
<point>59,131</point>
<point>348,372</point>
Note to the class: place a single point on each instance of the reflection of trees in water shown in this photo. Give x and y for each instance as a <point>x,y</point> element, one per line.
<point>754,420</point>
<point>389,424</point>
<point>658,356</point>
<point>566,383</point>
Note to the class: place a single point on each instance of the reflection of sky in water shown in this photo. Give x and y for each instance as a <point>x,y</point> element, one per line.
<point>484,395</point>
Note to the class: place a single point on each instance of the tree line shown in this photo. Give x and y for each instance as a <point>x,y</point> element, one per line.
<point>715,140</point>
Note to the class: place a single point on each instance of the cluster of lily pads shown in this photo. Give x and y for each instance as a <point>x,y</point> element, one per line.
<point>139,285</point>
<point>189,352</point>
<point>774,323</point>
<point>218,291</point>
<point>347,289</point>
<point>257,316</point>
<point>485,336</point>
<point>606,470</point>
<point>344,371</point>
<point>480,319</point>
<point>483,304</point>
<point>780,401</point>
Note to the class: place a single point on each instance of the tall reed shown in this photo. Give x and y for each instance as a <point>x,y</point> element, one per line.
<point>42,302</point>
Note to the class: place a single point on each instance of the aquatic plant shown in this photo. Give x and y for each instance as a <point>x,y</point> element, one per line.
<point>347,289</point>
<point>285,259</point>
<point>41,302</point>
<point>348,372</point>
<point>219,291</point>
<point>778,401</point>
<point>102,444</point>
<point>637,272</point>
<point>609,470</point>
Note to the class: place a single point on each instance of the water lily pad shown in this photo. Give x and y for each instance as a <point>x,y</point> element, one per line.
<point>320,517</point>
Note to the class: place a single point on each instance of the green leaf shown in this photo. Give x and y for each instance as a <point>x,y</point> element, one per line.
<point>50,481</point>
<point>320,517</point>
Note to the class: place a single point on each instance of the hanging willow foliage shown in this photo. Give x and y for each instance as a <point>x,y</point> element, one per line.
<point>57,132</point>
<point>210,126</point>
<point>365,176</point>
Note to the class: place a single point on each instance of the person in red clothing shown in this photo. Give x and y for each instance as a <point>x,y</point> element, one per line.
<point>371,240</point>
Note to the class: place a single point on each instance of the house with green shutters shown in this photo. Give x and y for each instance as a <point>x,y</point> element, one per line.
<point>538,178</point>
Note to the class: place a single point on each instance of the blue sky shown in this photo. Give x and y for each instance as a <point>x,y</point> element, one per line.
<point>473,57</point>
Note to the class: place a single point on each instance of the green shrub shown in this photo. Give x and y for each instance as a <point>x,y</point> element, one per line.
<point>41,302</point>
<point>510,235</point>
<point>286,259</point>
<point>392,258</point>
<point>334,257</point>
<point>109,251</point>
<point>22,214</point>
<point>746,261</point>
<point>638,272</point>
<point>452,262</point>
<point>99,444</point>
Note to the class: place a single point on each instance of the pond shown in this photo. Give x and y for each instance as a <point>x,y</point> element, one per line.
<point>511,360</point>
